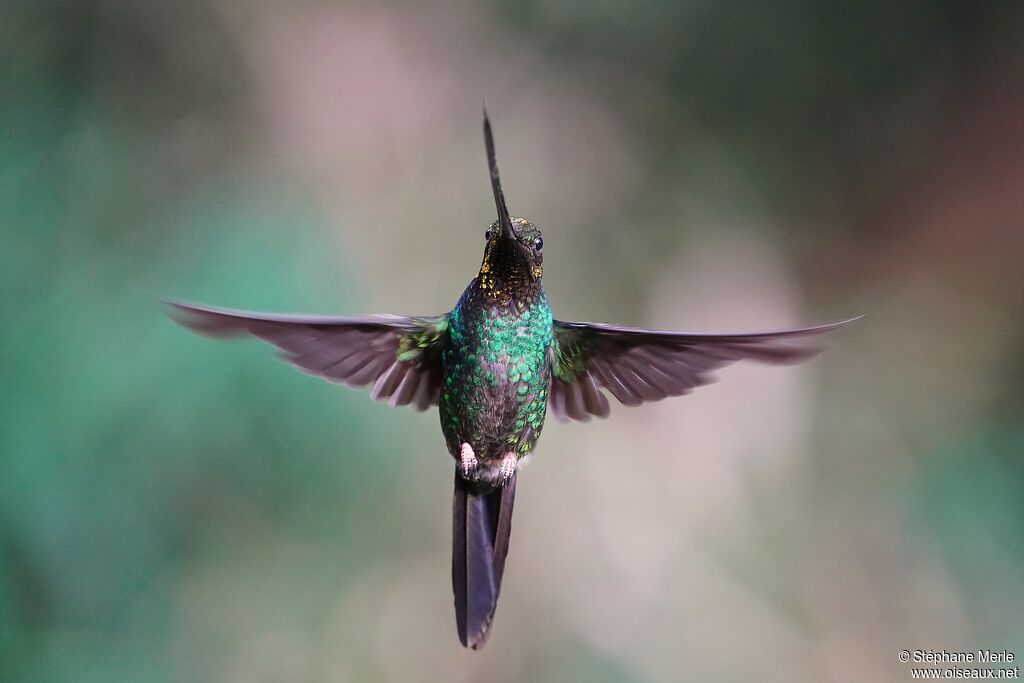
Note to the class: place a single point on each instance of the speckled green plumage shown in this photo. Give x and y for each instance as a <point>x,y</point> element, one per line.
<point>496,371</point>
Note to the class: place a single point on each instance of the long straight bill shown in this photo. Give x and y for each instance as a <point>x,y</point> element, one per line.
<point>499,196</point>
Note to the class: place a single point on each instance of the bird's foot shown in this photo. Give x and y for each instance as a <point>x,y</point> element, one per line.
<point>468,463</point>
<point>508,468</point>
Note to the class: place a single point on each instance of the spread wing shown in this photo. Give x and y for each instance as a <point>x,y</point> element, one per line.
<point>400,356</point>
<point>637,366</point>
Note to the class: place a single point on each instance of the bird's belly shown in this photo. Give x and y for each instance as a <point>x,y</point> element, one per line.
<point>496,404</point>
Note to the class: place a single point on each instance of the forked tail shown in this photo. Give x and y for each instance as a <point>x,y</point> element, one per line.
<point>482,524</point>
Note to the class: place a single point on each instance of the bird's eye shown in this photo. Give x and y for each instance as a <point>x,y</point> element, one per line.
<point>538,244</point>
<point>489,234</point>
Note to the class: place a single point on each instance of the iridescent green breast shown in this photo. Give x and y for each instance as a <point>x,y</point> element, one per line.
<point>496,373</point>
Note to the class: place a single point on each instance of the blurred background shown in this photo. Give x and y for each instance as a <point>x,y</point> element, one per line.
<point>174,509</point>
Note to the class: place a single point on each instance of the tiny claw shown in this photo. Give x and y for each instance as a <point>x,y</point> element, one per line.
<point>468,463</point>
<point>508,468</point>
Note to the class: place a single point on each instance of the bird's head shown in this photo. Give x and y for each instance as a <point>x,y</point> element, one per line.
<point>513,256</point>
<point>513,252</point>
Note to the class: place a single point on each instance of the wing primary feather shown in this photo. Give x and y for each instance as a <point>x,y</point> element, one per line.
<point>638,384</point>
<point>593,399</point>
<point>672,367</point>
<point>321,360</point>
<point>574,406</point>
<point>556,399</point>
<point>424,394</point>
<point>388,380</point>
<point>407,389</point>
<point>613,383</point>
<point>369,372</point>
<point>663,384</point>
<point>343,369</point>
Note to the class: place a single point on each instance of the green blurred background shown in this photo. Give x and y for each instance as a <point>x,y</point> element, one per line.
<point>173,509</point>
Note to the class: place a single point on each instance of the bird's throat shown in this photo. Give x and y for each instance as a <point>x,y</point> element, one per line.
<point>505,274</point>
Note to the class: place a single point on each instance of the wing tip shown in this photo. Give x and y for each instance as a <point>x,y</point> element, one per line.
<point>840,323</point>
<point>202,320</point>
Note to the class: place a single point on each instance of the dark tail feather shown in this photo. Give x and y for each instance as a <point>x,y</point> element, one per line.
<point>482,524</point>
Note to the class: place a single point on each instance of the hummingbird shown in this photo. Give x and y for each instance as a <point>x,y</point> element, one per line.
<point>494,366</point>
